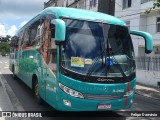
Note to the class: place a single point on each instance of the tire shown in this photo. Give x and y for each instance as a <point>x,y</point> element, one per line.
<point>36,93</point>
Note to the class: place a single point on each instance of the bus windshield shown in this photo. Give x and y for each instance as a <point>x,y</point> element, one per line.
<point>98,49</point>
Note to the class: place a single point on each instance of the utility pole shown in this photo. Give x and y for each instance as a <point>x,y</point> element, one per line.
<point>106,6</point>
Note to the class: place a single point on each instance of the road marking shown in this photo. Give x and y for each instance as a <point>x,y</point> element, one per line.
<point>6,67</point>
<point>0,62</point>
<point>5,62</point>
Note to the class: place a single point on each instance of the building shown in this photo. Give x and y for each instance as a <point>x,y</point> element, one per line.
<point>105,6</point>
<point>1,39</point>
<point>55,3</point>
<point>133,13</point>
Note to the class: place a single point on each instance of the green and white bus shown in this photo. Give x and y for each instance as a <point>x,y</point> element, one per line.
<point>77,60</point>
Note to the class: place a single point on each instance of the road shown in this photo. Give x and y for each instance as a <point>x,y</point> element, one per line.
<point>26,98</point>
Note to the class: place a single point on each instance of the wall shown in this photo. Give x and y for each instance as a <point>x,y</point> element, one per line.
<point>123,13</point>
<point>93,8</point>
<point>148,77</point>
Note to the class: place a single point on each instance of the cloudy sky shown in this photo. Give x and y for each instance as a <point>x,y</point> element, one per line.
<point>15,13</point>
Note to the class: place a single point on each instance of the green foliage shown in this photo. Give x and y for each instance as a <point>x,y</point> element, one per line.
<point>4,44</point>
<point>4,47</point>
<point>156,4</point>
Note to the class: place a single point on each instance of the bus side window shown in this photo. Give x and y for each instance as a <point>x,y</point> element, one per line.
<point>46,41</point>
<point>53,46</point>
<point>25,38</point>
<point>52,50</point>
<point>39,34</point>
<point>21,38</point>
<point>33,33</point>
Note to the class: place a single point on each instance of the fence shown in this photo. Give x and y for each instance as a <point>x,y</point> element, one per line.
<point>148,63</point>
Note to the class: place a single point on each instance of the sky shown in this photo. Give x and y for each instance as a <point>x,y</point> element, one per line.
<point>16,13</point>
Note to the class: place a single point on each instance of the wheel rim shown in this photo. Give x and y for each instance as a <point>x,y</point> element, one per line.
<point>36,89</point>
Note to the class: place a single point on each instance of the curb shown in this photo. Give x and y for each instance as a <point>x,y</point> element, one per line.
<point>146,95</point>
<point>9,100</point>
<point>17,106</point>
<point>150,92</point>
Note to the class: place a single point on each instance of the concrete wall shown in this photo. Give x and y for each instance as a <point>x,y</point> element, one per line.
<point>93,8</point>
<point>148,77</point>
<point>123,13</point>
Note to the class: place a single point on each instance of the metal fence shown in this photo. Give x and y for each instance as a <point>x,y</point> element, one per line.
<point>148,63</point>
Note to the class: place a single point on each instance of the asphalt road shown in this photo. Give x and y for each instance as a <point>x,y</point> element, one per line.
<point>26,98</point>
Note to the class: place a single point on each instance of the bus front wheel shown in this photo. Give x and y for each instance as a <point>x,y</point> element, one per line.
<point>36,93</point>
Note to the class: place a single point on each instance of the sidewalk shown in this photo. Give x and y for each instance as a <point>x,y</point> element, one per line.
<point>148,91</point>
<point>9,101</point>
<point>5,103</point>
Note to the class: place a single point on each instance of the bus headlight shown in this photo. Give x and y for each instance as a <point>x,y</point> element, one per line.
<point>70,91</point>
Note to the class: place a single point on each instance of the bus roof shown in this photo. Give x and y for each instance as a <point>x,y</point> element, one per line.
<point>77,14</point>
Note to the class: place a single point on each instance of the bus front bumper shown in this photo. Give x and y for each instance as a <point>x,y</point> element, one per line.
<point>66,102</point>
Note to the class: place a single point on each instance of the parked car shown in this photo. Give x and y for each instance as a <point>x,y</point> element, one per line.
<point>4,54</point>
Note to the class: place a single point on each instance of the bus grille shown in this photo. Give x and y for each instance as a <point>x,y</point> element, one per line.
<point>102,97</point>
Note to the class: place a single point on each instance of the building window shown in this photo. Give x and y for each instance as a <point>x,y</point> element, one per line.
<point>145,1</point>
<point>128,24</point>
<point>127,3</point>
<point>158,24</point>
<point>92,3</point>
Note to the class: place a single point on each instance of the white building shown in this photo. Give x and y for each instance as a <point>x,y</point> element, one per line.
<point>1,39</point>
<point>133,13</point>
<point>95,5</point>
<point>55,3</point>
<point>83,4</point>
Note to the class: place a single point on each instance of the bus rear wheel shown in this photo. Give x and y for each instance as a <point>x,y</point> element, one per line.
<point>36,93</point>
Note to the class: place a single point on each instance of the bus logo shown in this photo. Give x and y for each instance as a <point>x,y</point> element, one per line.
<point>103,80</point>
<point>105,88</point>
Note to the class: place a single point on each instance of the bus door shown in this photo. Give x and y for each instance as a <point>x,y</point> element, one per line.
<point>51,77</point>
<point>42,40</point>
<point>51,67</point>
<point>46,52</point>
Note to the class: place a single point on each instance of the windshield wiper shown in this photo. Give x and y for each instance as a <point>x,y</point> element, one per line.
<point>95,62</point>
<point>120,68</point>
<point>118,65</point>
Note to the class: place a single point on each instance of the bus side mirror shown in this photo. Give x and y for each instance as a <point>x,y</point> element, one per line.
<point>148,40</point>
<point>60,31</point>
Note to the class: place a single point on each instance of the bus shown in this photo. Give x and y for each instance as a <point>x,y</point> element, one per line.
<point>77,60</point>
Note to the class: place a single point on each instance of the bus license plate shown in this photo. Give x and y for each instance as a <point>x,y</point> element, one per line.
<point>104,106</point>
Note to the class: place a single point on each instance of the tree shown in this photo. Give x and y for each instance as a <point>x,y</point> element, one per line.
<point>4,47</point>
<point>156,4</point>
<point>7,38</point>
<point>4,44</point>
